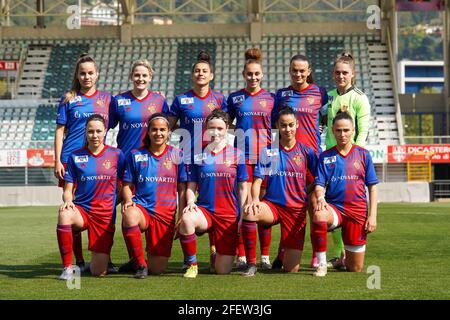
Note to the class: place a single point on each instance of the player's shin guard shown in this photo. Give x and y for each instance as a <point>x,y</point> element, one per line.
<point>265,237</point>
<point>248,231</point>
<point>77,246</point>
<point>65,242</point>
<point>319,239</point>
<point>189,247</point>
<point>338,243</point>
<point>133,240</point>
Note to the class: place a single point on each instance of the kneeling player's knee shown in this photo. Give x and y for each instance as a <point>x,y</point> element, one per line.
<point>130,217</point>
<point>320,216</point>
<point>64,216</point>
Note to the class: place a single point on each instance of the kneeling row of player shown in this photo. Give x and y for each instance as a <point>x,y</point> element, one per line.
<point>152,176</point>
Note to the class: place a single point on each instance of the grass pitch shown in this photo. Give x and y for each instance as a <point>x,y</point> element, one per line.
<point>410,247</point>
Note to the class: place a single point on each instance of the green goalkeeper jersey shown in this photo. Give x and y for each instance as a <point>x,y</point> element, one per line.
<point>357,105</point>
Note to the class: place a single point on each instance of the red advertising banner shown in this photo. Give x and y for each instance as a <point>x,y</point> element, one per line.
<point>437,153</point>
<point>420,5</point>
<point>8,65</point>
<point>40,158</point>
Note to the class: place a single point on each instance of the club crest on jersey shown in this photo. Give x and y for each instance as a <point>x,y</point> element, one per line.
<point>152,108</point>
<point>123,102</point>
<point>272,152</point>
<point>140,157</point>
<point>263,103</point>
<point>329,160</point>
<point>298,159</point>
<point>212,105</point>
<point>187,100</point>
<point>310,100</point>
<point>238,99</point>
<point>80,159</point>
<point>287,93</point>
<point>101,102</point>
<point>107,164</point>
<point>167,164</point>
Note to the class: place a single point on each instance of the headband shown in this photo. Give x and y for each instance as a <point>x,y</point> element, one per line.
<point>161,118</point>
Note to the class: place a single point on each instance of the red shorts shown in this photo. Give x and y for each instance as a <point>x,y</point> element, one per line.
<point>293,225</point>
<point>224,231</point>
<point>61,182</point>
<point>250,168</point>
<point>100,234</point>
<point>353,233</point>
<point>158,234</point>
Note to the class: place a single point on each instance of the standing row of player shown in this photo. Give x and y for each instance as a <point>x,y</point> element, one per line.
<point>252,107</point>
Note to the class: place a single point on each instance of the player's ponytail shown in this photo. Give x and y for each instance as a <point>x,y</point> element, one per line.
<point>76,86</point>
<point>342,115</point>
<point>301,57</point>
<point>203,57</point>
<point>347,57</point>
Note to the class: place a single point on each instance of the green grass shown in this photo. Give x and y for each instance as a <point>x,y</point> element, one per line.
<point>411,247</point>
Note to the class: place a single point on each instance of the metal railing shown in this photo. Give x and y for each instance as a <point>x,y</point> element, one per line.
<point>440,189</point>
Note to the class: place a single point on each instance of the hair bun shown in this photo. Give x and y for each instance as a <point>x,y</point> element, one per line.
<point>203,56</point>
<point>83,54</point>
<point>347,55</point>
<point>253,54</point>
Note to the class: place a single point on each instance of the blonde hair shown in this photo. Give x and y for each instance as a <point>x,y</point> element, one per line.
<point>347,58</point>
<point>76,86</point>
<point>143,63</point>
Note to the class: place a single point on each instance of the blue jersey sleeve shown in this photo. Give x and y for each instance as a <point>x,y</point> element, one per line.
<point>224,105</point>
<point>231,108</point>
<point>71,172</point>
<point>323,109</point>
<point>276,109</point>
<point>61,117</point>
<point>191,172</point>
<point>174,110</point>
<point>242,174</point>
<point>128,175</point>
<point>312,161</point>
<point>371,175</point>
<point>321,176</point>
<point>113,118</point>
<point>182,172</point>
<point>121,166</point>
<point>165,107</point>
<point>264,162</point>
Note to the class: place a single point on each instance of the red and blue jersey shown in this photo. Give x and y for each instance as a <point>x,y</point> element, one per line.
<point>286,174</point>
<point>155,179</point>
<point>132,114</point>
<point>345,178</point>
<point>217,176</point>
<point>95,178</point>
<point>74,113</point>
<point>253,116</point>
<point>308,105</point>
<point>192,111</point>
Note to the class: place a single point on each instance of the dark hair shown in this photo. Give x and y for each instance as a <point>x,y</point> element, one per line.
<point>219,114</point>
<point>203,57</point>
<point>301,57</point>
<point>347,58</point>
<point>84,57</point>
<point>342,115</point>
<point>286,111</point>
<point>253,55</point>
<point>95,117</point>
<point>147,141</point>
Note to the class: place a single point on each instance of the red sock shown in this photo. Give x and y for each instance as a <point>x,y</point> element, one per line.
<point>77,246</point>
<point>319,236</point>
<point>248,231</point>
<point>240,250</point>
<point>265,236</point>
<point>133,240</point>
<point>129,246</point>
<point>189,247</point>
<point>65,241</point>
